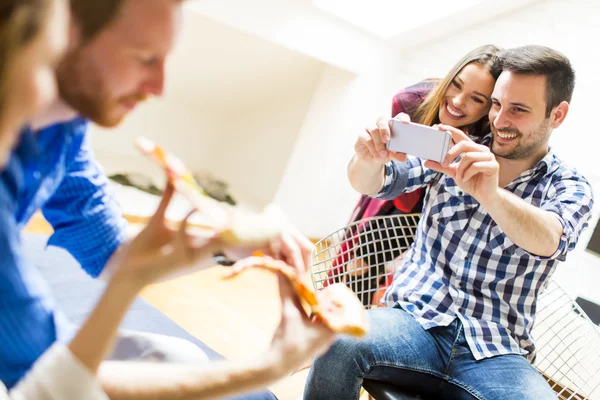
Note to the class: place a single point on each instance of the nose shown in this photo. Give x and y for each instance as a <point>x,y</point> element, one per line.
<point>459,100</point>
<point>499,119</point>
<point>155,84</point>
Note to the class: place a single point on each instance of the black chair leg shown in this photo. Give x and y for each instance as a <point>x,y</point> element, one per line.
<point>387,391</point>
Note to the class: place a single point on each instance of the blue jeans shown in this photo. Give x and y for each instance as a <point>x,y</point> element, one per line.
<point>435,363</point>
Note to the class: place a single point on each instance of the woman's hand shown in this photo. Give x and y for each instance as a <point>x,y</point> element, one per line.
<point>159,250</point>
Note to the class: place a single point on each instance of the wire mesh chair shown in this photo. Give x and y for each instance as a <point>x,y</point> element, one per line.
<point>365,254</point>
<point>567,345</point>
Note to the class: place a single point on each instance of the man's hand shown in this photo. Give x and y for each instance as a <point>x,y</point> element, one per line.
<point>297,340</point>
<point>477,171</point>
<point>292,247</point>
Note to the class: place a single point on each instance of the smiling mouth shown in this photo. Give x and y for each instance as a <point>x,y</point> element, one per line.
<point>506,136</point>
<point>453,112</point>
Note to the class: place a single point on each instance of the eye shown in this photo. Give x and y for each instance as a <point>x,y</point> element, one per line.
<point>456,84</point>
<point>478,100</point>
<point>495,103</point>
<point>519,110</point>
<point>148,61</point>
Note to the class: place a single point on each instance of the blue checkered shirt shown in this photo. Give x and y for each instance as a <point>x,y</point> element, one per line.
<point>54,170</point>
<point>461,264</point>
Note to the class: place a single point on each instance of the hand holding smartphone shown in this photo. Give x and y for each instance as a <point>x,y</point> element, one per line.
<point>419,140</point>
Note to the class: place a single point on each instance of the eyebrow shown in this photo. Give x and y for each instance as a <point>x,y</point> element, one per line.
<point>516,104</point>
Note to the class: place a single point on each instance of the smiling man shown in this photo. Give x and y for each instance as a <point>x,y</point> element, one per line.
<point>499,215</point>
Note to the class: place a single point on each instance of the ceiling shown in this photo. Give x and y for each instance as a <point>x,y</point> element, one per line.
<point>223,68</point>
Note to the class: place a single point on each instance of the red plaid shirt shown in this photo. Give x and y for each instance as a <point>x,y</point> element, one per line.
<point>407,101</point>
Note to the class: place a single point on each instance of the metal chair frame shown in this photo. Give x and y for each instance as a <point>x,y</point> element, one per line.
<point>365,254</point>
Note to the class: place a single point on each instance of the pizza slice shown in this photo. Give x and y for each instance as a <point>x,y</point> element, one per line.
<point>336,306</point>
<point>233,225</point>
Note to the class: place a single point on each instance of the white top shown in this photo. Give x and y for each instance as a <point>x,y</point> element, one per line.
<point>57,375</point>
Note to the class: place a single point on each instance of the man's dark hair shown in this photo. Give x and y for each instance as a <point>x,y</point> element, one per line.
<point>94,16</point>
<point>541,60</point>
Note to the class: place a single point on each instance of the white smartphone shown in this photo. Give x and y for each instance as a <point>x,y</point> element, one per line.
<point>419,140</point>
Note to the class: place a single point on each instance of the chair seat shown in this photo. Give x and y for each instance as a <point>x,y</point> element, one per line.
<point>386,391</point>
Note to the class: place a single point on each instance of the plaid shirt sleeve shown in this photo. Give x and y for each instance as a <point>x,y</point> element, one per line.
<point>571,199</point>
<point>404,178</point>
<point>87,221</point>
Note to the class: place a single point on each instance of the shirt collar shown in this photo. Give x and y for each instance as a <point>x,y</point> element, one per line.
<point>65,129</point>
<point>28,147</point>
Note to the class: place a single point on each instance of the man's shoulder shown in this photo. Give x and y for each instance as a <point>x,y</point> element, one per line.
<point>560,169</point>
<point>76,126</point>
<point>63,136</point>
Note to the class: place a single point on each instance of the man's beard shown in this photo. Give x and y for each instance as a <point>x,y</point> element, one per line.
<point>81,87</point>
<point>522,150</point>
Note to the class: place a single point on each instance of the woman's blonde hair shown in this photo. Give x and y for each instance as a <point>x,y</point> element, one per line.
<point>428,112</point>
<point>20,22</point>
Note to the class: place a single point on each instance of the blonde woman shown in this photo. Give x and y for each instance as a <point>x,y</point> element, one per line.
<point>462,100</point>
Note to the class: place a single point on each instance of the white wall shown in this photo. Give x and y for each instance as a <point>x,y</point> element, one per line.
<point>297,25</point>
<point>179,126</point>
<point>255,149</point>
<point>233,107</point>
<point>315,192</point>
<point>565,26</point>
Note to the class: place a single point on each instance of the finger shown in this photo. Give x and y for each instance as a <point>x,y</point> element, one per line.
<point>461,148</point>
<point>364,146</point>
<point>481,167</point>
<point>191,239</point>
<point>164,202</point>
<point>182,237</point>
<point>457,134</point>
<point>290,300</point>
<point>306,246</point>
<point>378,137</point>
<point>196,247</point>
<point>275,247</point>
<point>468,159</point>
<point>436,166</point>
<point>403,117</point>
<point>292,253</point>
<point>400,157</point>
<point>367,139</point>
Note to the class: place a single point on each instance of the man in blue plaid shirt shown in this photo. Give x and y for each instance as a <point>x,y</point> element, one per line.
<point>499,215</point>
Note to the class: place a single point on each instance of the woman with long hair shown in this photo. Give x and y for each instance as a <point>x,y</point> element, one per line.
<point>461,99</point>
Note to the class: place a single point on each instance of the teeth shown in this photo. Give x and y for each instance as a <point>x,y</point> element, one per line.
<point>507,137</point>
<point>454,114</point>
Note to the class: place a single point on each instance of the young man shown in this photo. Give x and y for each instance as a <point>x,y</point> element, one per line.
<point>116,60</point>
<point>498,216</point>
